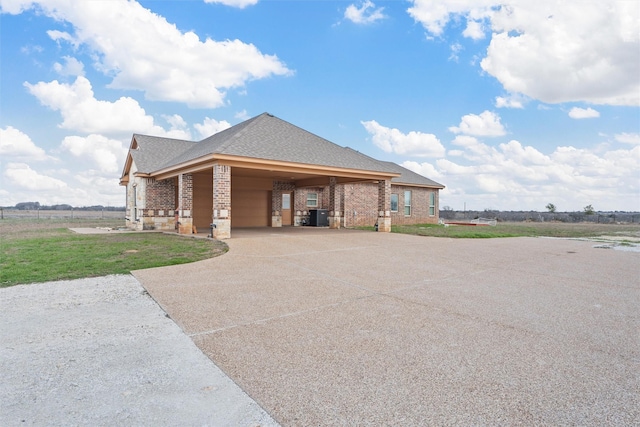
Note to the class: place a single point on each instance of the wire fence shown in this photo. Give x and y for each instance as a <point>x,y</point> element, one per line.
<point>568,217</point>
<point>60,214</point>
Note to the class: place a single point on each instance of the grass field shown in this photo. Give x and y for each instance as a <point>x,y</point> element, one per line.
<point>44,250</point>
<point>622,232</point>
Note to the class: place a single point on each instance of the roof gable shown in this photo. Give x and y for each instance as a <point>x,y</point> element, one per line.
<point>270,138</point>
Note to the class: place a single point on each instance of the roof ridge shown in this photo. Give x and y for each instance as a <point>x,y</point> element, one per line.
<point>247,123</point>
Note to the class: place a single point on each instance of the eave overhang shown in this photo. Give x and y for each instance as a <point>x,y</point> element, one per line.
<point>208,161</point>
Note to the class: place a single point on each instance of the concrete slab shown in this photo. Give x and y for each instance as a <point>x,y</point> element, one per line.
<point>101,352</point>
<point>341,327</point>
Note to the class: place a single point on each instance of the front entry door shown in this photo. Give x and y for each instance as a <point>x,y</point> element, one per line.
<point>286,208</point>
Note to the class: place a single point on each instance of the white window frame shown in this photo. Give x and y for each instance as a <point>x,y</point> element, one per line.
<point>407,212</point>
<point>312,200</point>
<point>432,204</point>
<point>391,202</point>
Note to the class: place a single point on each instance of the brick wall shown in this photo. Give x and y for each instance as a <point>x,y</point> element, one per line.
<point>222,188</point>
<point>276,196</point>
<point>419,206</point>
<point>161,195</point>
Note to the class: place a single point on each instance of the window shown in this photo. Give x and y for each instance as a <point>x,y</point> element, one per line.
<point>312,200</point>
<point>286,201</point>
<point>407,203</point>
<point>432,204</point>
<point>394,202</point>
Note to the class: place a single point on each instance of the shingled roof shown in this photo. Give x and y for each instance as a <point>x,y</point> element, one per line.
<point>409,177</point>
<point>263,137</point>
<point>270,138</point>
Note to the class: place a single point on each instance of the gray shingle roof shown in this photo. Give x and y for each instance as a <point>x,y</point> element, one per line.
<point>269,138</point>
<point>409,177</point>
<point>153,151</point>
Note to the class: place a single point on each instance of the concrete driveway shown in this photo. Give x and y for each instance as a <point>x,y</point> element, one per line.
<point>341,327</point>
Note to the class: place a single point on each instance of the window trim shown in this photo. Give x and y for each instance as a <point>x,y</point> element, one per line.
<point>432,204</point>
<point>312,199</point>
<point>391,202</point>
<point>405,202</point>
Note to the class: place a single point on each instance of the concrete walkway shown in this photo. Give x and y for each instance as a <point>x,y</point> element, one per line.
<point>326,327</point>
<point>100,352</point>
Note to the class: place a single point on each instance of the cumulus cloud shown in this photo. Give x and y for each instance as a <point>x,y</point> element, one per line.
<point>513,174</point>
<point>413,143</point>
<point>367,13</point>
<point>71,67</point>
<point>106,154</point>
<point>22,176</point>
<point>511,101</point>
<point>165,63</point>
<point>17,145</point>
<point>82,112</point>
<point>486,123</point>
<point>554,52</point>
<point>583,113</point>
<point>628,138</point>
<point>211,126</point>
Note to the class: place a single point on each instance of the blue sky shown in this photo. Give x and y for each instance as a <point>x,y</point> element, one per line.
<point>511,105</point>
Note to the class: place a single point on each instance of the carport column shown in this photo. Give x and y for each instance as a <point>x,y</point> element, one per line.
<point>334,203</point>
<point>185,203</point>
<point>384,196</point>
<point>221,201</point>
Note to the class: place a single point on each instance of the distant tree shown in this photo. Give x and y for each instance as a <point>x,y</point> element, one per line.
<point>551,207</point>
<point>27,206</point>
<point>588,210</point>
<point>446,208</point>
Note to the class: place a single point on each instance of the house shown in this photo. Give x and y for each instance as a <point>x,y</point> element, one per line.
<point>266,172</point>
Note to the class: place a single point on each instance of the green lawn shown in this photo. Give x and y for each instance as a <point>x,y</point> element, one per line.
<point>519,229</point>
<point>43,251</point>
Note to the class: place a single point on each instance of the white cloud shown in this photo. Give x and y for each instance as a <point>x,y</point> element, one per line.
<point>513,100</point>
<point>413,143</point>
<point>367,13</point>
<point>486,123</point>
<point>211,126</point>
<point>628,138</point>
<point>434,14</point>
<point>456,48</point>
<point>107,154</point>
<point>71,67</point>
<point>234,3</point>
<point>583,113</point>
<point>475,30</point>
<point>23,177</point>
<point>17,145</point>
<point>166,63</point>
<point>82,112</point>
<point>513,175</point>
<point>554,51</point>
<point>242,115</point>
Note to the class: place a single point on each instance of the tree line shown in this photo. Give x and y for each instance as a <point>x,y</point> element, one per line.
<point>33,206</point>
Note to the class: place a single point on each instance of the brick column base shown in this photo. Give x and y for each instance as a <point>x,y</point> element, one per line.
<point>384,222</point>
<point>276,219</point>
<point>335,220</point>
<point>222,229</point>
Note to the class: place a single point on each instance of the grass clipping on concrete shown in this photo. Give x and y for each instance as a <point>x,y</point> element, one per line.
<point>41,251</point>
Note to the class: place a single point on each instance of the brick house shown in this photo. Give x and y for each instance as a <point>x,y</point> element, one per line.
<point>266,172</point>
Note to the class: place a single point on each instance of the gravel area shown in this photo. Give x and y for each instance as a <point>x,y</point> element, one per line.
<point>344,328</point>
<point>100,351</point>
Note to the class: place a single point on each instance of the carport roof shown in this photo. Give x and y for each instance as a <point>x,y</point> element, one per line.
<point>264,137</point>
